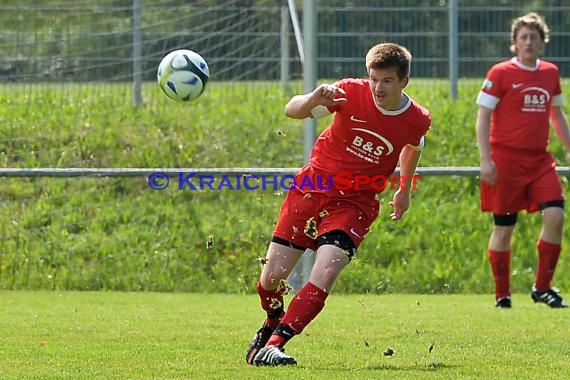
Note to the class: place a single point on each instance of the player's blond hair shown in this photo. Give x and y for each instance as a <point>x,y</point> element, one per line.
<point>386,55</point>
<point>532,20</point>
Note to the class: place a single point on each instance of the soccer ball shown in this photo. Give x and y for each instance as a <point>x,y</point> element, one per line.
<point>182,75</point>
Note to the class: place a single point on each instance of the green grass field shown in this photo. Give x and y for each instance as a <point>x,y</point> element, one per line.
<point>115,335</point>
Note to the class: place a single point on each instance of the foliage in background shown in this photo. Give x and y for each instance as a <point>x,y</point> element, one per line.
<point>118,234</point>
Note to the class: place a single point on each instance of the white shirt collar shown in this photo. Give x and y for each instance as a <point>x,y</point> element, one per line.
<point>406,105</point>
<point>525,67</point>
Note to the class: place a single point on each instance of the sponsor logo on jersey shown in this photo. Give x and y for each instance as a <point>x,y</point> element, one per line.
<point>535,99</point>
<point>369,145</point>
<point>487,84</point>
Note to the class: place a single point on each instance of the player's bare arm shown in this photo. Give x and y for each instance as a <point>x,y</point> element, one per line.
<point>300,106</point>
<point>409,159</point>
<point>487,166</point>
<point>560,125</point>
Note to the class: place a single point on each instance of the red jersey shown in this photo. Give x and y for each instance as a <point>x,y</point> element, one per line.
<point>364,139</point>
<point>521,98</point>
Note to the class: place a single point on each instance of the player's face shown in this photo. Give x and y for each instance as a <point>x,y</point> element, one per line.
<point>387,88</point>
<point>528,45</point>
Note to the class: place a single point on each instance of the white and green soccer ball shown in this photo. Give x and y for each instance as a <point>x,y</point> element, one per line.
<point>182,75</point>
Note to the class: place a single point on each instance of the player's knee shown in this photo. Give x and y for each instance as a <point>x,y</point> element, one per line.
<point>503,231</point>
<point>340,239</point>
<point>553,218</point>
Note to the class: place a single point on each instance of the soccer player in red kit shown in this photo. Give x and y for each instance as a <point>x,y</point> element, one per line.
<point>518,99</point>
<point>375,126</point>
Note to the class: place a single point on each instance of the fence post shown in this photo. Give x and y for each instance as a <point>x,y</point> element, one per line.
<point>453,48</point>
<point>137,53</point>
<point>285,72</point>
<point>310,69</point>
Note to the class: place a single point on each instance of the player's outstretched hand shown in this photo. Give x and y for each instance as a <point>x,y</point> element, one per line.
<point>400,204</point>
<point>329,95</point>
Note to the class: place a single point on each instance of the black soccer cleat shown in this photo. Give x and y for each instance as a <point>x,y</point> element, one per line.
<point>258,342</point>
<point>272,356</point>
<point>504,303</point>
<point>549,297</point>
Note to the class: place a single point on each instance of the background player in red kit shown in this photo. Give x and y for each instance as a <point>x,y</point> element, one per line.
<point>516,102</point>
<point>376,125</point>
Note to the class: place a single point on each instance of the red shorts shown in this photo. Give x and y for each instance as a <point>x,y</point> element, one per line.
<point>524,180</point>
<point>307,213</point>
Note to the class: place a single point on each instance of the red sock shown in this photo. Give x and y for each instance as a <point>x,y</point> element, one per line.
<point>501,266</point>
<point>272,303</point>
<point>304,307</point>
<point>547,259</point>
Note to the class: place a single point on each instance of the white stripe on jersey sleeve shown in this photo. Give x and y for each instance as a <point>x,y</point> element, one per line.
<point>418,147</point>
<point>487,101</point>
<point>557,101</point>
<point>319,112</point>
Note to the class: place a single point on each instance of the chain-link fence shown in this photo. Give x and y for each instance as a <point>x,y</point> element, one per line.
<point>93,41</point>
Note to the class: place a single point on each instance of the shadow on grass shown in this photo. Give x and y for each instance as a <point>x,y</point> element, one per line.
<point>417,367</point>
<point>430,366</point>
